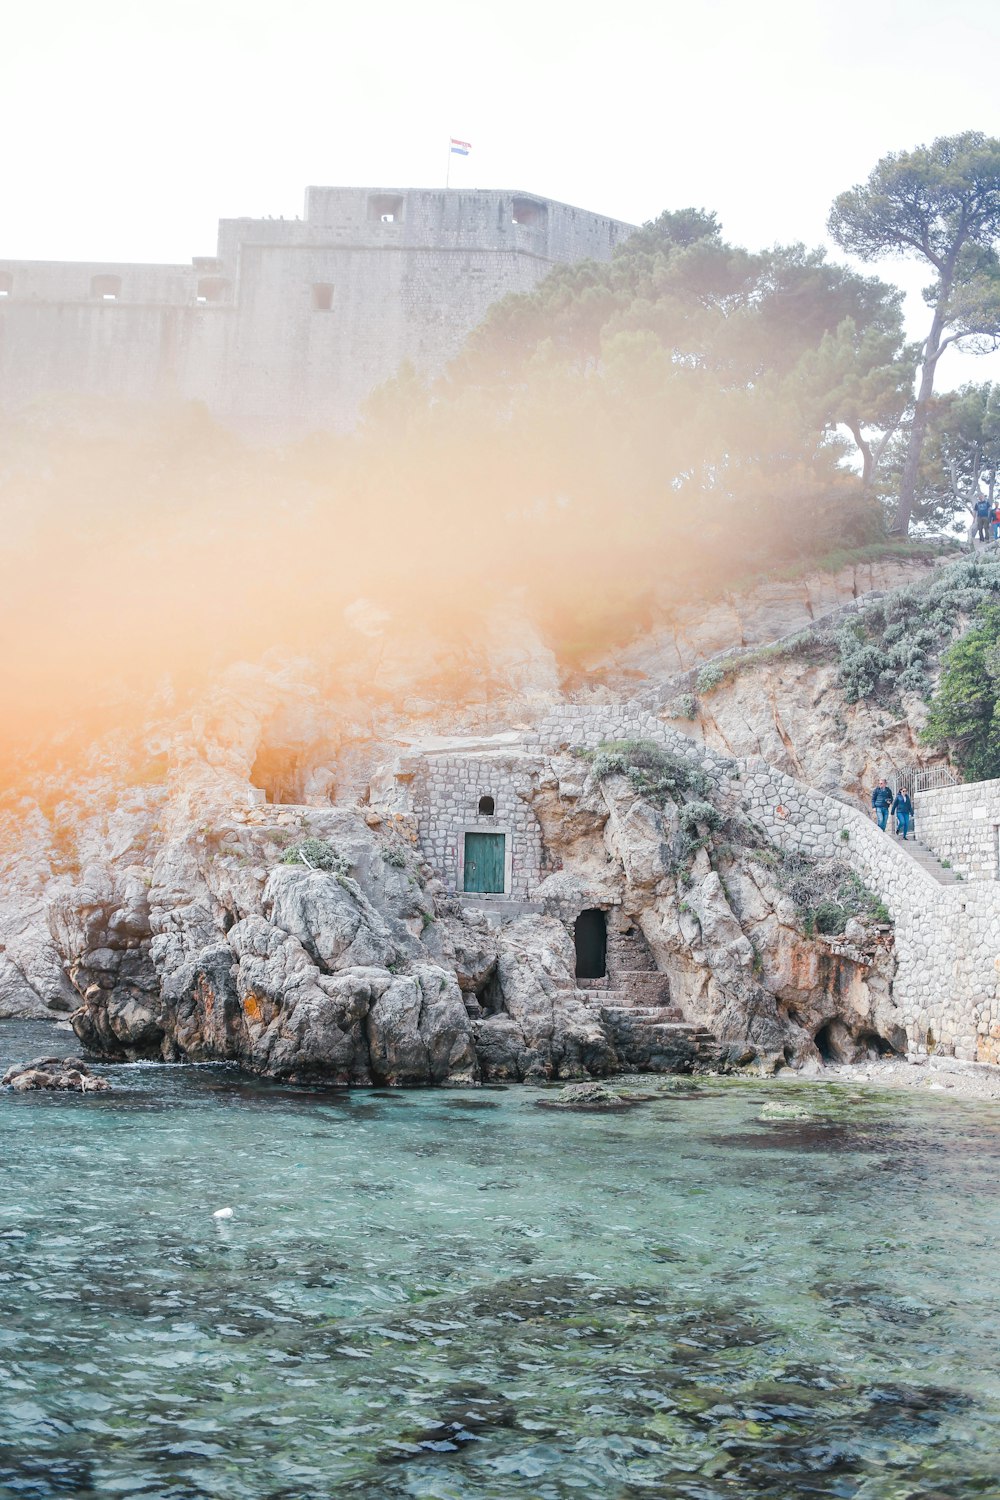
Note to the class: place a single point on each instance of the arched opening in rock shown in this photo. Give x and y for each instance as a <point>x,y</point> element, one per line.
<point>490,996</point>
<point>487,807</point>
<point>827,1042</point>
<point>875,1045</point>
<point>278,773</point>
<point>590,933</point>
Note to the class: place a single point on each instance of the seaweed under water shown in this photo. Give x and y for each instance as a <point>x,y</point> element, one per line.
<point>689,1300</point>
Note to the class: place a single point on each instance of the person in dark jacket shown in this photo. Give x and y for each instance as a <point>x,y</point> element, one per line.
<point>902,811</point>
<point>882,801</point>
<point>982,511</point>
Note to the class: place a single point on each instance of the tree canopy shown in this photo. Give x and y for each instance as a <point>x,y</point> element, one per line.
<point>670,419</point>
<point>941,204</point>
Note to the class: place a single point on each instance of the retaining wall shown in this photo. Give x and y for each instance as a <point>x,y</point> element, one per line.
<point>962,825</point>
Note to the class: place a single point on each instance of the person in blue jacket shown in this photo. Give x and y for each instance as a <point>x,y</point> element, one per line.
<point>902,810</point>
<point>882,801</point>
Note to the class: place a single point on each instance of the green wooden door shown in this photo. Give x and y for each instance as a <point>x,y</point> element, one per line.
<point>484,860</point>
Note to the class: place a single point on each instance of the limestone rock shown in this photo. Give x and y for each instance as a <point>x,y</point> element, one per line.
<point>54,1073</point>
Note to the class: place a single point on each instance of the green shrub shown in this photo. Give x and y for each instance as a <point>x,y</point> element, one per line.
<point>698,814</point>
<point>396,858</point>
<point>317,854</point>
<point>890,645</point>
<point>829,917</point>
<point>710,676</point>
<point>684,706</point>
<point>965,710</point>
<point>658,774</point>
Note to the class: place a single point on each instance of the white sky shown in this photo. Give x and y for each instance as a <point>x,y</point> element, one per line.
<point>130,126</point>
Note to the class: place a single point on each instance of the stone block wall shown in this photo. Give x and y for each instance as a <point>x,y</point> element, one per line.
<point>446,791</point>
<point>962,825</point>
<point>947,985</point>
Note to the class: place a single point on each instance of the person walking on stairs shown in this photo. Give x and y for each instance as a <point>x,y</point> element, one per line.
<point>902,809</point>
<point>881,802</point>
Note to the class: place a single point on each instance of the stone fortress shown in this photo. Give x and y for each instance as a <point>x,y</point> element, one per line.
<point>292,323</point>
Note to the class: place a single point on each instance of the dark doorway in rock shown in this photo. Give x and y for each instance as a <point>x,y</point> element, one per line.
<point>487,807</point>
<point>591,936</point>
<point>278,774</point>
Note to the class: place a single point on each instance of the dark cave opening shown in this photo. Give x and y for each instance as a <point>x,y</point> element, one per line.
<point>590,933</point>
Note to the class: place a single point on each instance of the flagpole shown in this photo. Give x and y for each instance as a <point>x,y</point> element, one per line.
<point>447,175</point>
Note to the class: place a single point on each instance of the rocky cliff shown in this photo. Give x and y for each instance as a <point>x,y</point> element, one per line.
<point>154,892</point>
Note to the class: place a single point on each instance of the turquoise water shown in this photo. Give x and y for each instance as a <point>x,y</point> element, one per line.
<point>458,1294</point>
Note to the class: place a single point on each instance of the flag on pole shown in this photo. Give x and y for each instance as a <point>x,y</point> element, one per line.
<point>460,148</point>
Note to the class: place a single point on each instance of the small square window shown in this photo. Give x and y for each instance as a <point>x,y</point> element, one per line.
<point>212,289</point>
<point>6,283</point>
<point>107,288</point>
<point>322,296</point>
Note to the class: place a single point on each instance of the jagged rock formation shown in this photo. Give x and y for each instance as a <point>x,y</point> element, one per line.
<point>368,972</point>
<point>150,894</point>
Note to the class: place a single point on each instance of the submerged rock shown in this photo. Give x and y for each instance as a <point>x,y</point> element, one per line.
<point>593,1096</point>
<point>54,1073</point>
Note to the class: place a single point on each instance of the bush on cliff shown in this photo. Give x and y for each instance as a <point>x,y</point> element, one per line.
<point>316,854</point>
<point>891,645</point>
<point>658,775</point>
<point>965,710</point>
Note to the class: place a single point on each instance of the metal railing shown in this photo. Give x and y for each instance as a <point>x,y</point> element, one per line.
<point>932,778</point>
<point>919,778</point>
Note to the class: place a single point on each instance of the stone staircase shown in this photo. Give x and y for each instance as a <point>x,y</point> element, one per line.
<point>633,1001</point>
<point>926,858</point>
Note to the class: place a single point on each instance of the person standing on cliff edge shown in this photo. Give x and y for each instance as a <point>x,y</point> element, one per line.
<point>882,801</point>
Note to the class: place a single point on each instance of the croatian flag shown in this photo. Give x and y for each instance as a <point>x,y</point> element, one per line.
<point>460,148</point>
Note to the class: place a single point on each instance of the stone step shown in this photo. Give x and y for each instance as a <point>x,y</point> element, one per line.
<point>927,859</point>
<point>646,1014</point>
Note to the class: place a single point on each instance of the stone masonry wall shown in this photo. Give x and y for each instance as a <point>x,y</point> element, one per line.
<point>962,825</point>
<point>445,800</point>
<point>947,984</point>
<point>947,937</point>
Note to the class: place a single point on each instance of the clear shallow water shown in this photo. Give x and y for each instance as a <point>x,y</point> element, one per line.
<point>458,1294</point>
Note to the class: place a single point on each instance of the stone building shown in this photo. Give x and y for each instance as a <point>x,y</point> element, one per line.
<point>291,323</point>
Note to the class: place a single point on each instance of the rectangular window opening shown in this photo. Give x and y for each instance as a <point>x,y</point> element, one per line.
<point>6,283</point>
<point>322,296</point>
<point>529,213</point>
<point>107,288</point>
<point>212,288</point>
<point>385,208</point>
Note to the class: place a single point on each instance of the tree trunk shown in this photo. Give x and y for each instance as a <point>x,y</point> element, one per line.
<point>921,415</point>
<point>867,458</point>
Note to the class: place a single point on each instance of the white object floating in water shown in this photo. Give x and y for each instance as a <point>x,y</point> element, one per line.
<point>223,1213</point>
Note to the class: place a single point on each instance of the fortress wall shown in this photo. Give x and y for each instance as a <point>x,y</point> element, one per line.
<point>72,282</point>
<point>133,353</point>
<point>962,824</point>
<point>261,352</point>
<point>386,307</point>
